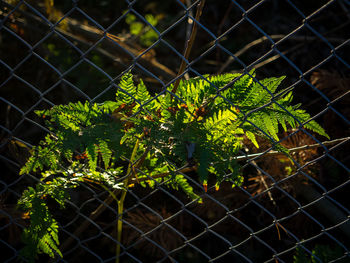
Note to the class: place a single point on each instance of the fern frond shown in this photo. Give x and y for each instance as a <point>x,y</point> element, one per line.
<point>127,91</point>
<point>92,153</point>
<point>41,238</point>
<point>105,152</point>
<point>204,160</point>
<point>181,182</point>
<point>262,91</point>
<point>142,93</point>
<point>296,117</point>
<point>240,89</point>
<point>220,81</point>
<point>44,155</point>
<point>251,136</point>
<point>42,234</point>
<point>174,181</point>
<point>267,122</point>
<point>303,117</point>
<point>268,118</point>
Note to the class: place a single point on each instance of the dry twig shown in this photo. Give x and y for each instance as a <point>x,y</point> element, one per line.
<point>273,37</point>
<point>189,45</point>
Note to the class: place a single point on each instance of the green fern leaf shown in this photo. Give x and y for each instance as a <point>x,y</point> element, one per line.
<point>251,136</point>
<point>267,123</point>
<point>92,153</point>
<point>127,93</point>
<point>180,181</point>
<point>106,153</point>
<point>204,159</point>
<point>315,127</point>
<point>264,88</point>
<point>142,93</point>
<point>242,89</point>
<point>42,234</point>
<point>312,125</point>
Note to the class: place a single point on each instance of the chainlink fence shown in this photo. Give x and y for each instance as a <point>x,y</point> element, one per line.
<point>55,52</point>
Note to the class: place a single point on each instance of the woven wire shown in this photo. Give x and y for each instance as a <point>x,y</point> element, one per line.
<point>258,227</point>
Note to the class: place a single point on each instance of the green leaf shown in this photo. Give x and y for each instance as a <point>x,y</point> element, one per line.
<point>42,234</point>
<point>180,181</point>
<point>136,28</point>
<point>264,88</point>
<point>92,153</point>
<point>251,136</point>
<point>129,18</point>
<point>314,126</point>
<point>204,158</point>
<point>106,153</point>
<point>127,92</point>
<point>151,19</point>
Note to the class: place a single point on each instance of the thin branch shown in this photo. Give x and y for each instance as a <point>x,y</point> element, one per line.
<point>87,34</point>
<point>291,150</point>
<point>189,45</point>
<point>273,37</point>
<point>263,181</point>
<point>275,57</point>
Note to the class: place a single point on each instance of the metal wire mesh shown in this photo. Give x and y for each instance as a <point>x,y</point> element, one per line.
<point>54,54</point>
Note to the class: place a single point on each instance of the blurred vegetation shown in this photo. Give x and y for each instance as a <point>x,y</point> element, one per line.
<point>320,253</point>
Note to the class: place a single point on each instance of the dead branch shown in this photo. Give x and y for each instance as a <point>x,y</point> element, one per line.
<point>189,45</point>
<point>115,47</point>
<point>273,37</point>
<point>115,43</point>
<point>292,150</point>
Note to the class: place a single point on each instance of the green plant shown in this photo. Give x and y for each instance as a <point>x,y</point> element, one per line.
<point>320,253</point>
<point>143,139</point>
<point>147,36</point>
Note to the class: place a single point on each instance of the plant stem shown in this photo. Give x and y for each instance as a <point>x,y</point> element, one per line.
<point>119,225</point>
<point>120,202</point>
<point>189,45</point>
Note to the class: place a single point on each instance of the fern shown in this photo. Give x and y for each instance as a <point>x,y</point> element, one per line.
<point>180,182</point>
<point>92,154</point>
<point>79,129</point>
<point>202,131</point>
<point>42,234</point>
<point>142,93</point>
<point>127,90</point>
<point>174,181</point>
<point>106,152</point>
<point>204,158</point>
